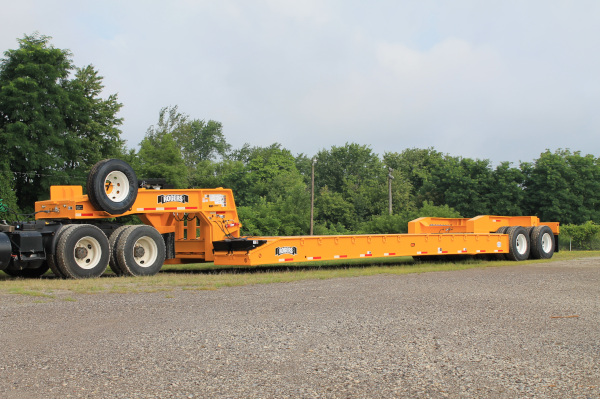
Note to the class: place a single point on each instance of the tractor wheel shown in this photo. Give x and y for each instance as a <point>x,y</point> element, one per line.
<point>140,251</point>
<point>542,242</point>
<point>82,252</point>
<point>112,186</point>
<point>518,243</point>
<point>112,241</point>
<point>51,258</point>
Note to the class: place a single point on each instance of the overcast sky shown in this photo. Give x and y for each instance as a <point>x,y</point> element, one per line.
<point>502,80</point>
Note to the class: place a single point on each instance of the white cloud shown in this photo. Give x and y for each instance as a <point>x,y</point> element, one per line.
<point>495,79</point>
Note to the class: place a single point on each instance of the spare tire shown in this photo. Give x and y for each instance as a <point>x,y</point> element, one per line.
<point>112,186</point>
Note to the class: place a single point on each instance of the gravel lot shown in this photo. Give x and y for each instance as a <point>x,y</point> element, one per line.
<point>477,333</point>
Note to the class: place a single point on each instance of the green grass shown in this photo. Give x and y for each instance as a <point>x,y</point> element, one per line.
<point>200,277</point>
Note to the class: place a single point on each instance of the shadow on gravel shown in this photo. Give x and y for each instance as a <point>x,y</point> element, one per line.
<point>403,261</point>
<point>202,269</point>
<point>330,265</point>
<point>278,268</point>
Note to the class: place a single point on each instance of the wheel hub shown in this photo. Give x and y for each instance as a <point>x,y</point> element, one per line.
<point>81,252</point>
<point>138,251</point>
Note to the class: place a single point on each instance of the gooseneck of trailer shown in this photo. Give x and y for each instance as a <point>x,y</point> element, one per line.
<point>77,235</point>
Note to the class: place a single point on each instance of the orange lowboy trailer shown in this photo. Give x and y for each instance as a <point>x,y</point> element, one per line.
<point>79,236</point>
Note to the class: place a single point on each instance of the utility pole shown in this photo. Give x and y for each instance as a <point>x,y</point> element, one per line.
<point>390,177</point>
<point>312,195</point>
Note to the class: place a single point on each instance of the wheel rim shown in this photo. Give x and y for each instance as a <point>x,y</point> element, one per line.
<point>116,186</point>
<point>145,251</point>
<point>521,244</point>
<point>547,243</point>
<point>87,252</point>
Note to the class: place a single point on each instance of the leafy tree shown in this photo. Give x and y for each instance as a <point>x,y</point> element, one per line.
<point>53,127</point>
<point>465,184</point>
<point>563,186</point>
<point>96,122</point>
<point>160,157</point>
<point>197,139</point>
<point>506,195</point>
<point>417,167</point>
<point>269,190</point>
<point>8,199</point>
<point>470,186</point>
<point>334,212</point>
<point>360,177</point>
<point>266,172</point>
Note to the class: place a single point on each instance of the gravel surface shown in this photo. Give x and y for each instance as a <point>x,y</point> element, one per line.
<point>478,333</point>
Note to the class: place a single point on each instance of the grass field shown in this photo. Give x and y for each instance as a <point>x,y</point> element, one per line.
<point>210,277</point>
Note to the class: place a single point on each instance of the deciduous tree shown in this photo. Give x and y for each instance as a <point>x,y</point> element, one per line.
<point>53,126</point>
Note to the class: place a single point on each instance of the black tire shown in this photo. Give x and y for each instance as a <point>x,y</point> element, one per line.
<point>140,251</point>
<point>51,258</point>
<point>112,242</point>
<point>542,242</point>
<point>502,229</point>
<point>5,251</point>
<point>82,252</point>
<point>518,244</point>
<point>529,229</point>
<point>37,269</point>
<point>112,186</point>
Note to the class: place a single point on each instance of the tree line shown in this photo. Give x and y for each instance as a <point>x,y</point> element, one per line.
<point>54,125</point>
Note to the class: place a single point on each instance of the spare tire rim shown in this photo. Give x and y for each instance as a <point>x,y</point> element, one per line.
<point>87,252</point>
<point>116,186</point>
<point>521,244</point>
<point>148,256</point>
<point>547,242</point>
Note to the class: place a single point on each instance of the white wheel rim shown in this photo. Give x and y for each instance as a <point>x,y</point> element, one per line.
<point>150,252</point>
<point>521,244</point>
<point>87,252</point>
<point>547,243</point>
<point>116,186</point>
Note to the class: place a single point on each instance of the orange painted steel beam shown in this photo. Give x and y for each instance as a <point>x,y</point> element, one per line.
<point>311,248</point>
<point>199,217</point>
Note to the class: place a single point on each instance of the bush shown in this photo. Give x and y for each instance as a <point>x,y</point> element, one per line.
<point>580,237</point>
<point>398,223</point>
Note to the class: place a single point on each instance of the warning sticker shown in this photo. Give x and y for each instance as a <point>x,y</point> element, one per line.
<point>219,199</point>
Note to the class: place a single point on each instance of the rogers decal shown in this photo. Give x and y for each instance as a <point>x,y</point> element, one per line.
<point>173,198</point>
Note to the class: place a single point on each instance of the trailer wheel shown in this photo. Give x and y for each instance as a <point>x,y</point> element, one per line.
<point>40,269</point>
<point>140,251</point>
<point>529,230</point>
<point>82,252</point>
<point>113,263</point>
<point>112,186</point>
<point>518,243</point>
<point>502,229</point>
<point>542,242</point>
